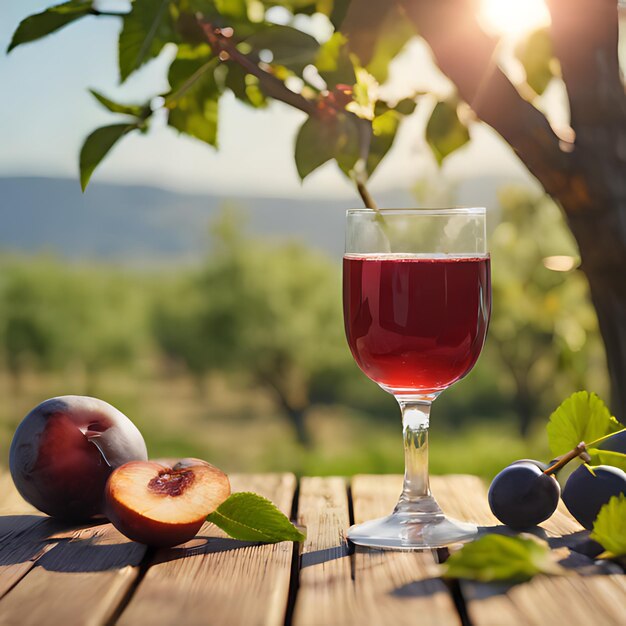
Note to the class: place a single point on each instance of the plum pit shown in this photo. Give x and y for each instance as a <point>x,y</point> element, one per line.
<point>171,482</point>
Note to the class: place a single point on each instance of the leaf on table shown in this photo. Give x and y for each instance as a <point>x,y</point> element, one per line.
<point>52,19</point>
<point>445,132</point>
<point>147,28</point>
<point>609,529</point>
<point>249,517</point>
<point>581,417</point>
<point>97,146</point>
<point>500,557</point>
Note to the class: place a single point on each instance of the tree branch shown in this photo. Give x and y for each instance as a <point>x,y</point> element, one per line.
<point>466,55</point>
<point>224,47</point>
<point>106,13</point>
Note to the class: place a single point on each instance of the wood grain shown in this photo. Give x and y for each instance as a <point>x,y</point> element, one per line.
<point>24,535</point>
<point>326,593</point>
<point>217,580</point>
<point>395,587</point>
<point>598,597</point>
<point>79,577</point>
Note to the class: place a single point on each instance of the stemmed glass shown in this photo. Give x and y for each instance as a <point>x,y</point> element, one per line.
<point>417,300</point>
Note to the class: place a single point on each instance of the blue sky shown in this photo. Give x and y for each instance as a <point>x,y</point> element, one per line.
<point>46,113</point>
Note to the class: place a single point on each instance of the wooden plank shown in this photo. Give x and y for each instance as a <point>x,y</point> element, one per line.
<point>24,535</point>
<point>326,592</point>
<point>217,580</point>
<point>395,587</point>
<point>597,597</point>
<point>81,579</point>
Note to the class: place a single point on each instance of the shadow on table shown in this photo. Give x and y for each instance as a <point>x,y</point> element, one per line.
<point>62,547</point>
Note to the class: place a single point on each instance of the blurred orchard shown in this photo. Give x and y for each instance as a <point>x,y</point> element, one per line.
<point>242,359</point>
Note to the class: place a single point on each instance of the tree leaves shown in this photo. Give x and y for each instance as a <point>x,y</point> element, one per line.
<point>445,132</point>
<point>609,529</point>
<point>290,47</point>
<point>376,31</point>
<point>48,21</point>
<point>333,62</point>
<point>384,129</point>
<point>244,86</point>
<point>321,139</point>
<point>249,517</point>
<point>136,110</point>
<point>193,102</point>
<point>98,145</point>
<point>535,54</point>
<point>499,557</point>
<point>146,30</point>
<point>581,417</point>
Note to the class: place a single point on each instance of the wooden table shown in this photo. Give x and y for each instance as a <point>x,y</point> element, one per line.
<point>51,574</point>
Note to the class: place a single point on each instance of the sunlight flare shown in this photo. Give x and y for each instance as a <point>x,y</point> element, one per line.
<point>513,18</point>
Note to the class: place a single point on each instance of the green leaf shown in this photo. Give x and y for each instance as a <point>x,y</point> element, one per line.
<point>384,130</point>
<point>146,30</point>
<point>333,62</point>
<point>97,146</point>
<point>335,10</point>
<point>245,86</point>
<point>193,102</point>
<point>249,517</point>
<point>609,529</point>
<point>320,140</point>
<point>48,21</point>
<point>607,457</point>
<point>499,557</point>
<point>392,34</point>
<point>290,47</point>
<point>581,417</point>
<point>406,106</point>
<point>445,132</point>
<point>233,9</point>
<point>535,54</point>
<point>136,110</point>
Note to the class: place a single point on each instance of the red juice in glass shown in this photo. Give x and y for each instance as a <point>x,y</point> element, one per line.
<point>416,323</point>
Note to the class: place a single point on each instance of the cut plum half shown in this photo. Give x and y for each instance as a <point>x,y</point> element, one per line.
<point>163,504</point>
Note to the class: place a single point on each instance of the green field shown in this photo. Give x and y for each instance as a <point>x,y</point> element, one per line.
<point>241,430</point>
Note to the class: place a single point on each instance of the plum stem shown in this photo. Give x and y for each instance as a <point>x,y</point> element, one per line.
<point>578,451</point>
<point>601,439</point>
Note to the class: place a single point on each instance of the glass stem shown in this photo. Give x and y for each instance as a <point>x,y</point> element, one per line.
<point>415,423</point>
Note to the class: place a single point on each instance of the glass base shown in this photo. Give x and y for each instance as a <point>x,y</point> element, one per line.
<point>409,528</point>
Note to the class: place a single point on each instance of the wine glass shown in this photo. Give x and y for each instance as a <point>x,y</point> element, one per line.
<point>417,300</point>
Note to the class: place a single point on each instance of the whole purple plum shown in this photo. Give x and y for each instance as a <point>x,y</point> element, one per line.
<point>65,449</point>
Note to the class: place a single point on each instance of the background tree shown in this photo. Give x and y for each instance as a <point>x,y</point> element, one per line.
<point>238,45</point>
<point>269,315</point>
<point>53,317</point>
<point>543,328</point>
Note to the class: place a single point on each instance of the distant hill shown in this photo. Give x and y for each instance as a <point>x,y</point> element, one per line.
<point>139,224</point>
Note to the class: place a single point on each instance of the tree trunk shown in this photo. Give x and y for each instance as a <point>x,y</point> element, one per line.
<point>296,417</point>
<point>603,249</point>
<point>524,406</point>
<point>587,177</point>
<point>293,404</point>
